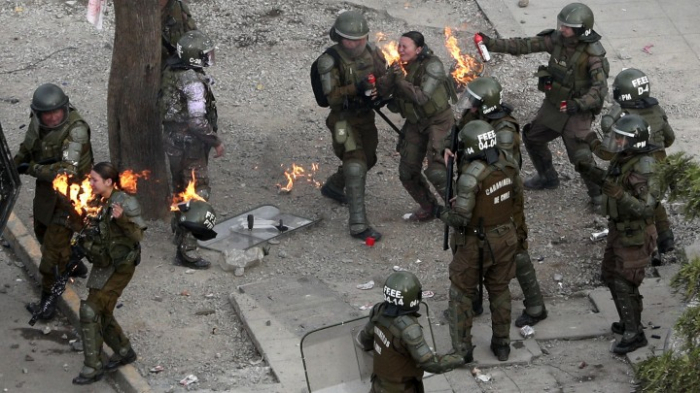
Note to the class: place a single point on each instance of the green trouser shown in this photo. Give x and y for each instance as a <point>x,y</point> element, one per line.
<point>498,270</point>
<point>357,158</point>
<point>188,160</point>
<point>628,302</point>
<point>97,320</point>
<point>381,386</point>
<point>424,140</point>
<point>55,251</point>
<point>527,278</point>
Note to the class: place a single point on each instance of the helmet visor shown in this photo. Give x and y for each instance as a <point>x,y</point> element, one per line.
<point>561,23</point>
<point>475,100</point>
<point>52,119</point>
<point>618,140</point>
<point>208,58</point>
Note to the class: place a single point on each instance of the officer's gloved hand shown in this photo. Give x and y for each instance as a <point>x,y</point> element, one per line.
<point>613,190</point>
<point>592,140</point>
<point>571,107</point>
<point>362,86</point>
<point>437,210</point>
<point>23,168</point>
<point>486,39</point>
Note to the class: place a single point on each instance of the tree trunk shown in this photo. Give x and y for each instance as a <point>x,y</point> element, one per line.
<point>135,138</point>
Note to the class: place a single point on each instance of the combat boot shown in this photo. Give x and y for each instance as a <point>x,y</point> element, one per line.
<point>549,181</point>
<point>500,350</point>
<point>629,302</point>
<point>530,320</point>
<point>50,311</point>
<point>80,270</point>
<point>333,187</point>
<point>117,360</point>
<point>422,214</point>
<point>369,232</point>
<point>187,254</point>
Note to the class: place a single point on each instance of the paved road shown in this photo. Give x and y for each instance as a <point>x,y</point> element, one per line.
<point>32,361</point>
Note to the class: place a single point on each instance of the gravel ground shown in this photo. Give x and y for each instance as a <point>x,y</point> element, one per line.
<point>269,120</point>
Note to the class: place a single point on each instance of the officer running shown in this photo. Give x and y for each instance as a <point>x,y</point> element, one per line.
<point>631,92</point>
<point>422,96</point>
<point>575,86</point>
<point>486,103</point>
<point>112,244</point>
<point>630,199</point>
<point>57,141</point>
<point>401,354</point>
<point>189,116</point>
<point>344,71</point>
<point>488,202</point>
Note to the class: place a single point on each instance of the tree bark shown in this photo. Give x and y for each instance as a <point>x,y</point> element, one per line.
<point>135,138</point>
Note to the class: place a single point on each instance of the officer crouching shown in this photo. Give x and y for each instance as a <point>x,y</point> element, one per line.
<point>401,354</point>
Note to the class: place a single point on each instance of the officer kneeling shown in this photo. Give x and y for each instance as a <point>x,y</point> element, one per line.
<point>401,353</point>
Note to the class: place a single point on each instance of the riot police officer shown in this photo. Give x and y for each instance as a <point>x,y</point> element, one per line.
<point>488,201</point>
<point>486,103</point>
<point>575,85</point>
<point>57,141</point>
<point>345,70</point>
<point>189,118</point>
<point>112,244</point>
<point>176,20</point>
<point>630,198</point>
<point>631,92</point>
<point>422,96</point>
<point>401,354</point>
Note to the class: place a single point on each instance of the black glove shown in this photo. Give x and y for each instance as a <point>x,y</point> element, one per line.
<point>437,210</point>
<point>486,39</point>
<point>613,190</point>
<point>362,86</point>
<point>571,107</point>
<point>23,168</point>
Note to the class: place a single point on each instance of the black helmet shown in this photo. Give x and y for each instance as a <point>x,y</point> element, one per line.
<point>485,93</point>
<point>579,17</point>
<point>475,139</point>
<point>49,97</point>
<point>630,132</point>
<point>630,84</point>
<point>195,49</point>
<point>402,290</point>
<point>199,218</point>
<point>350,25</point>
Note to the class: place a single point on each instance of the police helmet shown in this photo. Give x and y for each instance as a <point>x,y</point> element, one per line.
<point>195,49</point>
<point>350,25</point>
<point>402,290</point>
<point>199,218</point>
<point>47,98</point>
<point>630,132</point>
<point>631,84</point>
<point>475,138</point>
<point>485,93</point>
<point>579,17</point>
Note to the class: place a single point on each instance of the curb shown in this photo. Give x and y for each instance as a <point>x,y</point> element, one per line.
<point>27,248</point>
<point>500,17</point>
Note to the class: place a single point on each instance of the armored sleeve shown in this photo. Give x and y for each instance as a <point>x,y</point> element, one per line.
<point>130,221</point>
<point>433,77</point>
<point>669,135</point>
<point>76,156</point>
<point>425,358</point>
<point>598,70</point>
<point>522,46</point>
<point>365,337</point>
<point>608,119</point>
<point>195,92</point>
<point>508,141</point>
<point>641,191</point>
<point>467,186</point>
<point>331,81</point>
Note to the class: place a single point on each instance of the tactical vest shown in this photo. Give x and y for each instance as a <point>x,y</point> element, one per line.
<point>105,243</point>
<point>352,71</point>
<point>392,360</point>
<point>570,78</point>
<point>170,82</point>
<point>495,198</point>
<point>45,145</point>
<point>438,102</point>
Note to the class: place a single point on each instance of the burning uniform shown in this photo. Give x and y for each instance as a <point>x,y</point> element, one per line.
<point>176,20</point>
<point>631,94</point>
<point>488,201</point>
<point>630,198</point>
<point>575,86</point>
<point>401,354</point>
<point>485,98</point>
<point>57,140</point>
<point>190,123</point>
<point>345,79</point>
<point>111,242</point>
<point>422,97</point>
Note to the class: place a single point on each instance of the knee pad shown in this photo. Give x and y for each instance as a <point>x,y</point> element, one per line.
<point>437,176</point>
<point>87,312</point>
<point>355,169</point>
<point>582,155</point>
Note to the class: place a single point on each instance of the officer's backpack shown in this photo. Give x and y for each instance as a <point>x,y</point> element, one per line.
<point>316,85</point>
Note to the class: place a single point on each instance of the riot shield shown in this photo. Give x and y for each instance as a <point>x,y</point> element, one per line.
<point>9,182</point>
<point>332,361</point>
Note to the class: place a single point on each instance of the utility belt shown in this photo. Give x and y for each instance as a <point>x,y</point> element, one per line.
<point>497,230</point>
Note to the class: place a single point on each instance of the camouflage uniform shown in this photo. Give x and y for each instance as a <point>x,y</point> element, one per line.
<point>176,20</point>
<point>490,195</point>
<point>401,354</point>
<point>54,217</point>
<point>113,248</point>
<point>352,126</point>
<point>577,74</point>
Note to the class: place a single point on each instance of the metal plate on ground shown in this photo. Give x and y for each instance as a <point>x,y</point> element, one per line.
<point>233,233</point>
<point>9,181</point>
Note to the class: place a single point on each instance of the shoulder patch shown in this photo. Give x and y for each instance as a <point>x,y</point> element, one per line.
<point>595,49</point>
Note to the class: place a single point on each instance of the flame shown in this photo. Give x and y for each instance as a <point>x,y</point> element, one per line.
<point>467,67</point>
<point>298,172</point>
<point>129,179</point>
<point>390,51</point>
<point>79,194</point>
<point>187,195</point>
